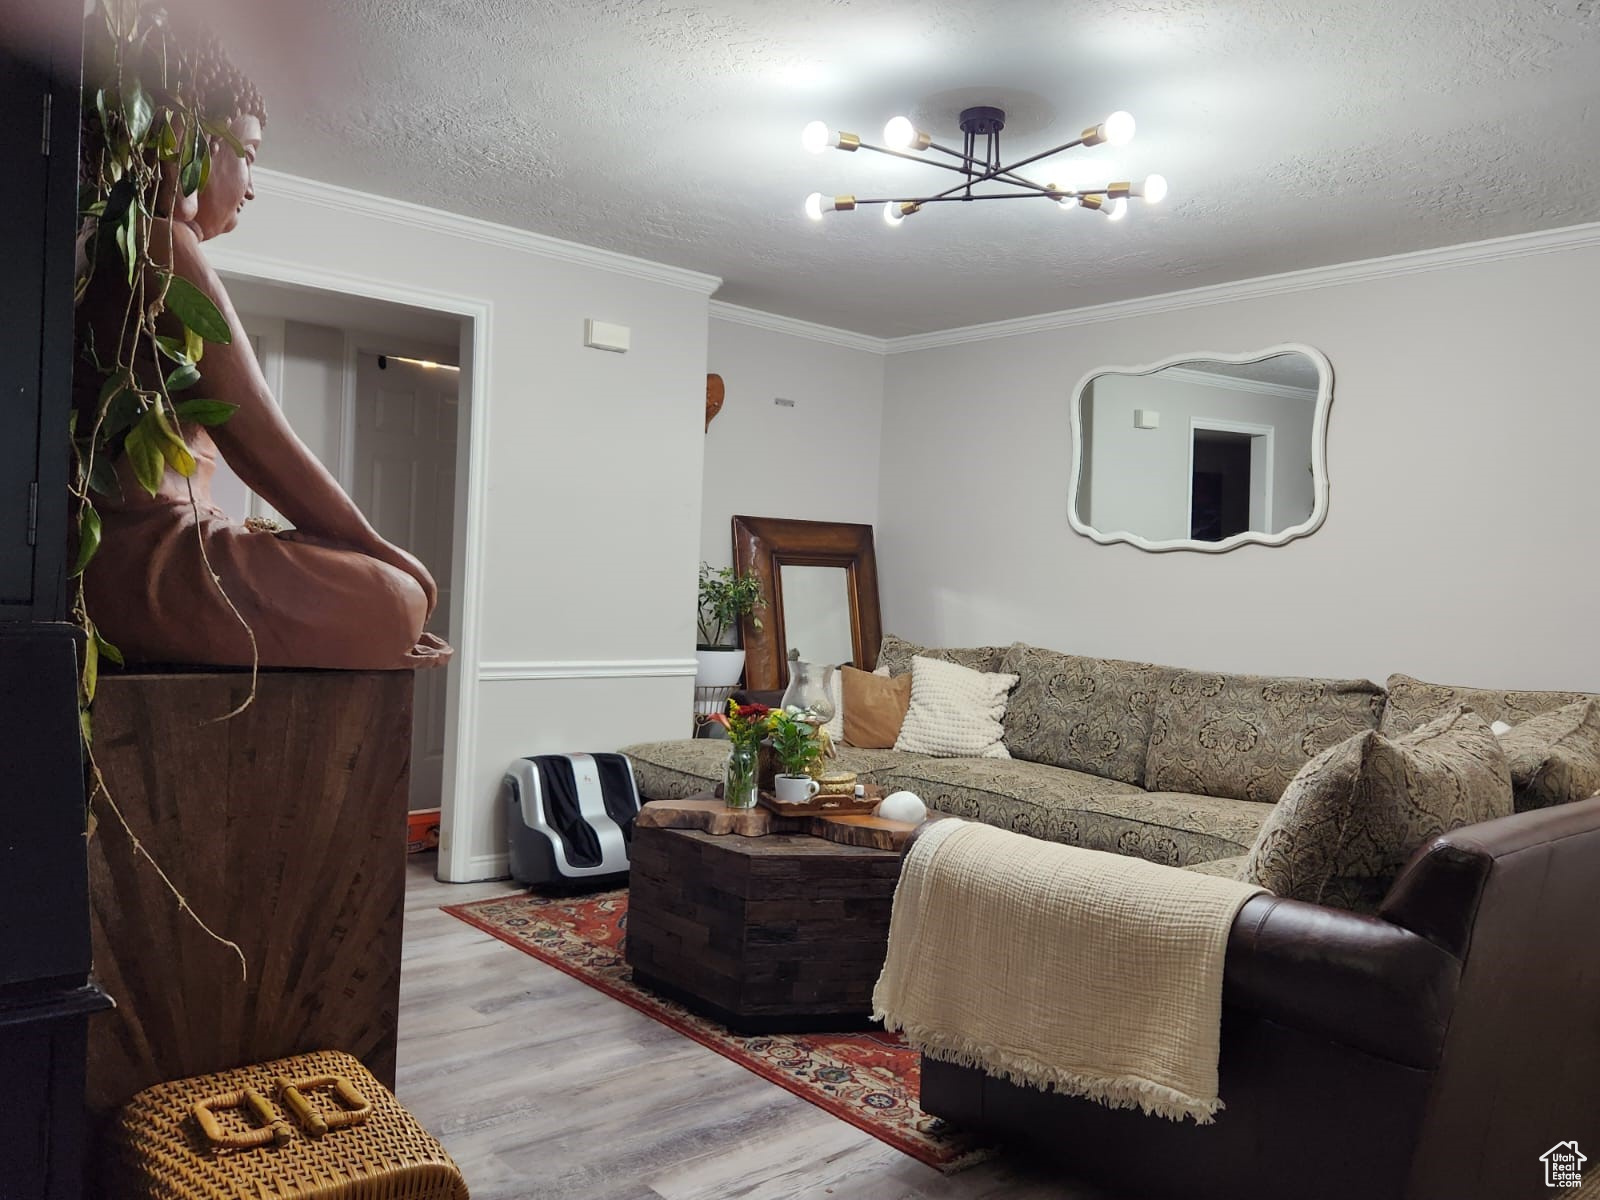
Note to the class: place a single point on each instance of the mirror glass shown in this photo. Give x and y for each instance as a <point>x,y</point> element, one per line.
<point>816,612</point>
<point>1203,452</point>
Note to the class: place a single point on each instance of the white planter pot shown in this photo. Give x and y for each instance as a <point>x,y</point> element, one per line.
<point>718,668</point>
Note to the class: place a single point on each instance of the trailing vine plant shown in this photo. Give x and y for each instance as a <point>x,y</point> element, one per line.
<point>148,142</point>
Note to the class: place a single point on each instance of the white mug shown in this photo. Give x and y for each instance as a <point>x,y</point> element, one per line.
<point>795,789</point>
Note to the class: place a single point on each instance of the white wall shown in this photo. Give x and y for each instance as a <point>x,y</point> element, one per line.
<point>1461,544</point>
<point>1141,481</point>
<point>817,461</point>
<point>593,470</point>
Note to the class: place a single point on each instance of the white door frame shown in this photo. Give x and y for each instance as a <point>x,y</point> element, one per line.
<point>472,444</point>
<point>1266,462</point>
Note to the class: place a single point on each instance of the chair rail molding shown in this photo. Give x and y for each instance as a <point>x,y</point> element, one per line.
<point>576,668</point>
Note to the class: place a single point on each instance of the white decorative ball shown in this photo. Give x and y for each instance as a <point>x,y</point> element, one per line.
<point>903,806</point>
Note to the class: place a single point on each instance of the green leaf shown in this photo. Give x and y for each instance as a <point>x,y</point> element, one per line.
<point>193,345</point>
<point>195,309</point>
<point>173,448</point>
<point>174,348</point>
<point>185,376</point>
<point>143,449</point>
<point>137,111</point>
<point>167,141</point>
<point>219,130</point>
<point>86,726</point>
<point>207,412</point>
<point>124,409</point>
<point>191,173</point>
<point>128,242</point>
<point>107,650</point>
<point>100,108</point>
<point>88,538</point>
<point>103,477</point>
<point>89,678</point>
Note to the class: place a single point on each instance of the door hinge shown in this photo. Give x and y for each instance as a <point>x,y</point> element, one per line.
<point>44,142</point>
<point>33,512</point>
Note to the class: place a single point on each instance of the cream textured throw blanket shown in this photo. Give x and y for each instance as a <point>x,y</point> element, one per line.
<point>1075,970</point>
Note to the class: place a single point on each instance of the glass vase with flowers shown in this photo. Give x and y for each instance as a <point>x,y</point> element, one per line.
<point>746,725</point>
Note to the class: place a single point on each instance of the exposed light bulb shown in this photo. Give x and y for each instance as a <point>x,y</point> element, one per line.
<point>892,216</point>
<point>899,133</point>
<point>1069,198</point>
<point>816,137</point>
<point>1119,127</point>
<point>814,206</point>
<point>1116,210</point>
<point>1154,189</point>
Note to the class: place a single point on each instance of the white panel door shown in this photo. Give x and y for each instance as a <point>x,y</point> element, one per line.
<point>404,481</point>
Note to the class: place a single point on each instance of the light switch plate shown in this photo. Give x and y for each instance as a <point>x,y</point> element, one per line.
<point>603,335</point>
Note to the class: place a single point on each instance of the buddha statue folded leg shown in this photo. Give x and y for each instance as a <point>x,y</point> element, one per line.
<point>308,605</point>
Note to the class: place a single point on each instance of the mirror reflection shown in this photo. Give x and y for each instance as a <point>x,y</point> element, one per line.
<point>816,612</point>
<point>1204,453</point>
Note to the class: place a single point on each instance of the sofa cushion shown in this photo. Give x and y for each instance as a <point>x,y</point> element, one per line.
<point>955,711</point>
<point>897,653</point>
<point>1245,736</point>
<point>1225,868</point>
<point>1351,819</point>
<point>1085,714</point>
<point>1413,703</point>
<point>1555,757</point>
<point>874,707</point>
<point>1082,809</point>
<point>683,767</point>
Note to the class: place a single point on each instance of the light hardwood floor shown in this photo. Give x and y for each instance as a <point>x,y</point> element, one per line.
<point>542,1087</point>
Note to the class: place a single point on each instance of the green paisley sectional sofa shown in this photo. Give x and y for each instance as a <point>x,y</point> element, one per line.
<point>1171,765</point>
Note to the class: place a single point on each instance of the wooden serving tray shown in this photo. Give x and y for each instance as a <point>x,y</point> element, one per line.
<point>821,805</point>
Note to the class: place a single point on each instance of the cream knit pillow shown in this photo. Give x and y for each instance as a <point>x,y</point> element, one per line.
<point>955,711</point>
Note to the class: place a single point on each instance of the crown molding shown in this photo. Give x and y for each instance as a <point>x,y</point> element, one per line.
<point>418,216</point>
<point>721,310</point>
<point>1234,383</point>
<point>1415,262</point>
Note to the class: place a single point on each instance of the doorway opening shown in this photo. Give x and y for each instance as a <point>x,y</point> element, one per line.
<point>381,392</point>
<point>1230,479</point>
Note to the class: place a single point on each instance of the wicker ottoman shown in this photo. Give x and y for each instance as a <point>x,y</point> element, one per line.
<point>311,1127</point>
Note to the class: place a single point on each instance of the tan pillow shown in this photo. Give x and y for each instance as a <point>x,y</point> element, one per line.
<point>1355,813</point>
<point>1555,758</point>
<point>874,707</point>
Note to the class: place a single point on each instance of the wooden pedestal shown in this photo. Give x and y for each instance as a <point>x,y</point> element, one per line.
<point>285,828</point>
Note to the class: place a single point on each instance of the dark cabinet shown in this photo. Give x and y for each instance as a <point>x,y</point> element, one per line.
<point>46,994</point>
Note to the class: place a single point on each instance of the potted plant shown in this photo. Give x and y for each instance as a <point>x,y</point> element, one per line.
<point>797,748</point>
<point>725,598</point>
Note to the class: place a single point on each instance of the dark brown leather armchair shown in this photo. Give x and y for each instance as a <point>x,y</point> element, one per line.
<point>1431,1052</point>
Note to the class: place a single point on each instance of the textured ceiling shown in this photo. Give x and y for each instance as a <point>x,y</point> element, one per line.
<point>1294,134</point>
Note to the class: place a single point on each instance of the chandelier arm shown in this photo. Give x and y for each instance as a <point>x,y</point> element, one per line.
<point>1022,162</point>
<point>948,199</point>
<point>932,162</point>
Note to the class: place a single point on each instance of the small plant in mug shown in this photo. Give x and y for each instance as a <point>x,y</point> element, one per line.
<point>794,742</point>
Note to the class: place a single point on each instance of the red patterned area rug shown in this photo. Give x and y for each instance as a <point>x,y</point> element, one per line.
<point>869,1079</point>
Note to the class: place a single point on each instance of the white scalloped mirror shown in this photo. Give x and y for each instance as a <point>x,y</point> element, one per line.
<point>1203,451</point>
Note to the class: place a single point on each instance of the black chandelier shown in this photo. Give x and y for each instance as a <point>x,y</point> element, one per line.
<point>980,125</point>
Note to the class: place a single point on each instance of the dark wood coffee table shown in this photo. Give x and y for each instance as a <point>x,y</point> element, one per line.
<point>783,932</point>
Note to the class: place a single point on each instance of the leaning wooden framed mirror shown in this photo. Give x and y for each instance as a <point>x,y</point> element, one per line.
<point>820,583</point>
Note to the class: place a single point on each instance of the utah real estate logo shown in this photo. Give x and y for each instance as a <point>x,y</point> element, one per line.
<point>1563,1165</point>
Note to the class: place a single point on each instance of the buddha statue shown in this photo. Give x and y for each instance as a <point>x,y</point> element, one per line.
<point>176,579</point>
